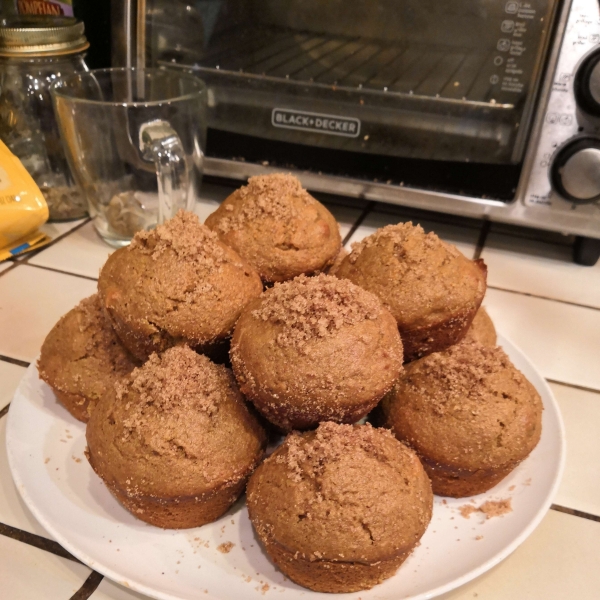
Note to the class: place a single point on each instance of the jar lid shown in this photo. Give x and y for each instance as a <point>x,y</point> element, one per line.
<point>42,37</point>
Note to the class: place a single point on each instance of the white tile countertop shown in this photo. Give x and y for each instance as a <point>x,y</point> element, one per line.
<point>537,298</point>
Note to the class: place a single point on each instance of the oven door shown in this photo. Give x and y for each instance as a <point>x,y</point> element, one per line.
<point>421,93</point>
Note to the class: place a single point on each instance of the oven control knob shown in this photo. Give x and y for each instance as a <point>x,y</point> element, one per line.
<point>575,171</point>
<point>587,84</point>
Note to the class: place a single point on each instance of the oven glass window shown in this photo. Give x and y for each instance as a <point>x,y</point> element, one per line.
<point>416,79</point>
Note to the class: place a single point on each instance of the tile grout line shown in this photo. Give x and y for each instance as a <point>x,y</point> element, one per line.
<point>483,234</point>
<point>90,585</point>
<point>501,289</point>
<point>573,385</point>
<point>363,215</point>
<point>37,541</point>
<point>12,267</point>
<point>14,361</point>
<point>28,255</point>
<point>61,237</point>
<point>575,513</point>
<point>62,272</point>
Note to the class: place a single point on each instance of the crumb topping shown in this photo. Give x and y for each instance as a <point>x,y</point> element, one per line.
<point>92,315</point>
<point>496,508</point>
<point>330,442</point>
<point>225,547</point>
<point>401,235</point>
<point>460,373</point>
<point>100,335</point>
<point>315,307</point>
<point>490,508</point>
<point>466,510</point>
<point>267,196</point>
<point>171,384</point>
<point>187,237</point>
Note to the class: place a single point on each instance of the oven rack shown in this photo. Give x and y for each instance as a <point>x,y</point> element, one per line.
<point>458,74</point>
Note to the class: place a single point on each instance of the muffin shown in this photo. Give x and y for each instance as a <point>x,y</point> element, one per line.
<point>432,290</point>
<point>339,509</point>
<point>82,358</point>
<point>482,329</point>
<point>175,443</point>
<point>176,284</point>
<point>315,349</point>
<point>335,265</point>
<point>278,227</point>
<point>469,414</point>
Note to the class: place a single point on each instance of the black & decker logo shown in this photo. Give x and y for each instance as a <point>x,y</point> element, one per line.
<point>315,122</point>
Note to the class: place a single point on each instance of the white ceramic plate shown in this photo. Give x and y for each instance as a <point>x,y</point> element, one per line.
<point>46,454</point>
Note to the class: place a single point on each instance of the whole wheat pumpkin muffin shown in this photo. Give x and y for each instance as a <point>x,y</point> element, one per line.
<point>469,414</point>
<point>176,284</point>
<point>82,358</point>
<point>482,329</point>
<point>278,227</point>
<point>175,443</point>
<point>315,349</point>
<point>432,290</point>
<point>339,509</point>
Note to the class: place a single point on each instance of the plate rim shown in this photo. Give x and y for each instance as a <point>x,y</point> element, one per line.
<point>136,586</point>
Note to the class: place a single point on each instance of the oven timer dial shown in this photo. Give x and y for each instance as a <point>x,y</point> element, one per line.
<point>587,84</point>
<point>575,170</point>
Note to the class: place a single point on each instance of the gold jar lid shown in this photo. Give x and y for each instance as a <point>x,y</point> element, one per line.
<point>42,37</point>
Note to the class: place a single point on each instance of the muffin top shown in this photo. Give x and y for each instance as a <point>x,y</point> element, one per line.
<point>82,355</point>
<point>342,493</point>
<point>177,282</point>
<point>482,329</point>
<point>278,227</point>
<point>467,407</point>
<point>313,308</point>
<point>343,343</point>
<point>177,426</point>
<point>420,278</point>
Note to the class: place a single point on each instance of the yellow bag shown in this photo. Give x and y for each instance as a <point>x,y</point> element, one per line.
<point>22,206</point>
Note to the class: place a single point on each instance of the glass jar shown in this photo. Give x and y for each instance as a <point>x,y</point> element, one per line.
<point>33,55</point>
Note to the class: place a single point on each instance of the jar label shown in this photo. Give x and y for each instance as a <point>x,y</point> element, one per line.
<point>45,7</point>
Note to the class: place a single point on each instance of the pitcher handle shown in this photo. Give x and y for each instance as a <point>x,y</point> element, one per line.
<point>160,143</point>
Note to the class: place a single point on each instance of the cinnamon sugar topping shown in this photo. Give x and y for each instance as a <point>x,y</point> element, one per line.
<point>187,237</point>
<point>400,235</point>
<point>175,382</point>
<point>92,315</point>
<point>330,442</point>
<point>461,372</point>
<point>267,195</point>
<point>94,321</point>
<point>315,307</point>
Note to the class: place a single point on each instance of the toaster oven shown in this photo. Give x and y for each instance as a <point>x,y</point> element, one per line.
<point>481,108</point>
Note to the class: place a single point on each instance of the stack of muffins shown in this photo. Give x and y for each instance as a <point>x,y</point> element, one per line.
<point>393,331</point>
